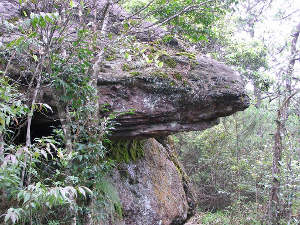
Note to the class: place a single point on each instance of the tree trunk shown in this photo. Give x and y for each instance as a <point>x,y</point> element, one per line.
<point>273,212</point>
<point>274,204</point>
<point>65,121</point>
<point>274,209</point>
<point>38,75</point>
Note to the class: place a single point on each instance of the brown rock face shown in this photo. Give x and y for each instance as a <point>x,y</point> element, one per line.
<point>189,96</point>
<point>172,100</point>
<point>154,190</point>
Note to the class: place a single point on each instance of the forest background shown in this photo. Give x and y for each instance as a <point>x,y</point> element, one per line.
<point>246,169</point>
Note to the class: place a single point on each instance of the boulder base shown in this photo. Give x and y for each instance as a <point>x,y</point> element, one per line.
<point>154,189</point>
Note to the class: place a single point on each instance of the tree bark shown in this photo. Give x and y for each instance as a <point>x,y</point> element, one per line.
<point>65,119</point>
<point>292,60</point>
<point>274,208</point>
<point>273,205</point>
<point>38,75</point>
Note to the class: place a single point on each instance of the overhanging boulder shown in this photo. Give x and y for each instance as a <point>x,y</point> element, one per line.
<point>190,96</point>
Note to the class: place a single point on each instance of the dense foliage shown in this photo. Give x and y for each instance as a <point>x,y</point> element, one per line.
<point>188,19</point>
<point>248,165</point>
<point>64,172</point>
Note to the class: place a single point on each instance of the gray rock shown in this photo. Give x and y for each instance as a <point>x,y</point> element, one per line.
<point>9,9</point>
<point>154,189</point>
<point>172,99</point>
<point>190,96</point>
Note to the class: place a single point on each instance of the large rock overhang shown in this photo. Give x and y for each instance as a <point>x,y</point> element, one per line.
<point>164,101</point>
<point>191,101</point>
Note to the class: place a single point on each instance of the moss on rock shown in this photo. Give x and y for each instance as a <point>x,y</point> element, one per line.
<point>135,73</point>
<point>126,151</point>
<point>110,57</point>
<point>13,19</point>
<point>126,67</point>
<point>178,76</point>
<point>160,74</point>
<point>189,55</point>
<point>168,60</point>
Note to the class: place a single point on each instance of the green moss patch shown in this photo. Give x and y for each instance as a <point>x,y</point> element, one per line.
<point>135,73</point>
<point>160,74</point>
<point>126,151</point>
<point>189,55</point>
<point>13,19</point>
<point>178,76</point>
<point>126,67</point>
<point>168,60</point>
<point>110,57</point>
<point>194,65</point>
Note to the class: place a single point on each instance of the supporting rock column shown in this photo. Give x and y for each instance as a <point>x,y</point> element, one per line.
<point>154,189</point>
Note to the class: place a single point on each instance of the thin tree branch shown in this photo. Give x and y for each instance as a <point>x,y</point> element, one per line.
<point>141,10</point>
<point>184,10</point>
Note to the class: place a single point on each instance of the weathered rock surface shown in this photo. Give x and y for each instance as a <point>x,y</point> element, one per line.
<point>168,100</point>
<point>154,189</point>
<point>190,96</point>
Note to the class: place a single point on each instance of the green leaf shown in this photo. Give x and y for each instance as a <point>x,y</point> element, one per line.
<point>42,22</point>
<point>20,195</point>
<point>126,26</point>
<point>126,55</point>
<point>33,205</point>
<point>35,58</point>
<point>72,4</point>
<point>26,197</point>
<point>24,12</point>
<point>11,215</point>
<point>2,121</point>
<point>44,153</point>
<point>46,106</point>
<point>43,14</point>
<point>48,18</point>
<point>88,190</point>
<point>34,22</point>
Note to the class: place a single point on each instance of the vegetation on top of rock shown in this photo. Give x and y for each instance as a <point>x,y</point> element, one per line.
<point>189,55</point>
<point>168,60</point>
